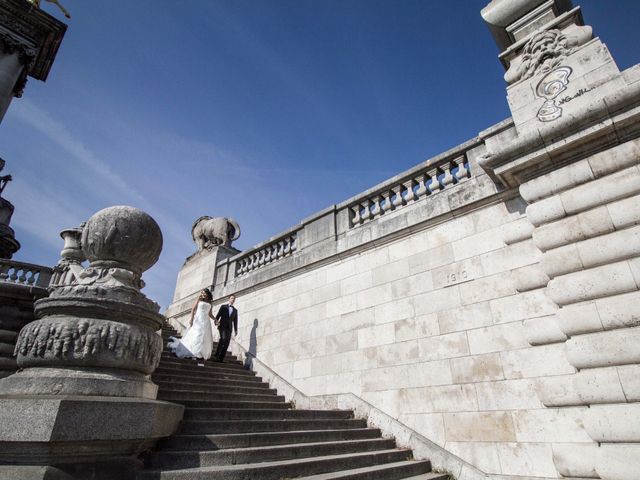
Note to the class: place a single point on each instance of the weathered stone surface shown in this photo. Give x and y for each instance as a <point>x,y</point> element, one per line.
<point>83,400</point>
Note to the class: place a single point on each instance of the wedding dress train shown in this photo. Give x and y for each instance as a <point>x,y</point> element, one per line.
<point>198,341</point>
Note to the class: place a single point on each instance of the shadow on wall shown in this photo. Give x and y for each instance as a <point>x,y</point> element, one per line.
<point>253,345</point>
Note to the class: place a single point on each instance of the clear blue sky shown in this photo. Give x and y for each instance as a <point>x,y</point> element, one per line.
<point>262,110</point>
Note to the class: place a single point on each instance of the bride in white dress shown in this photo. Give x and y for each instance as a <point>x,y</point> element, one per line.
<point>198,341</point>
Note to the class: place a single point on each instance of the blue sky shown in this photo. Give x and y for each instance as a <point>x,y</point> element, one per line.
<point>262,110</point>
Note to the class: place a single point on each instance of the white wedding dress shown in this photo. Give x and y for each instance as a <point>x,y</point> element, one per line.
<point>198,341</point>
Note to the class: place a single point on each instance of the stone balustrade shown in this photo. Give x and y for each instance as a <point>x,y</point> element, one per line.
<point>266,254</point>
<point>26,274</point>
<point>425,182</point>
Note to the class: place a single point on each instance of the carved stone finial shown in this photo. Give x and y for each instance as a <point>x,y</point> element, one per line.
<point>122,237</point>
<point>94,344</point>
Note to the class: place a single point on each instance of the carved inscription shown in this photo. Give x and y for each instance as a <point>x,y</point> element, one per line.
<point>455,273</point>
<point>457,277</point>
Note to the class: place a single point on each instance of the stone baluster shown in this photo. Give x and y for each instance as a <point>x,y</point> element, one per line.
<point>434,184</point>
<point>462,172</point>
<point>422,186</point>
<point>411,196</point>
<point>377,209</point>
<point>447,179</point>
<point>385,202</point>
<point>366,215</point>
<point>396,198</point>
<point>355,214</point>
<point>84,382</point>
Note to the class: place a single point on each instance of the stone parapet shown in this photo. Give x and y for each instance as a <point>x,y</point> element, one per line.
<point>428,194</point>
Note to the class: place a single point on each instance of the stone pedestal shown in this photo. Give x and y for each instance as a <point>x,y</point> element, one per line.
<point>574,154</point>
<point>29,41</point>
<point>198,272</point>
<point>83,401</point>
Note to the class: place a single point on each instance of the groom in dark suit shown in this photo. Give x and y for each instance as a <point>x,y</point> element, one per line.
<point>226,319</point>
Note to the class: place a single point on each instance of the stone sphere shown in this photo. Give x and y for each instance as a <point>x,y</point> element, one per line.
<point>124,237</point>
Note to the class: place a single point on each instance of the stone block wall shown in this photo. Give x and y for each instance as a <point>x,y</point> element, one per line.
<point>488,297</point>
<point>428,328</point>
<point>426,321</point>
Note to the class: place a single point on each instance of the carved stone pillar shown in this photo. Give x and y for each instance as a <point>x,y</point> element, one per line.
<point>574,153</point>
<point>83,401</point>
<point>29,41</point>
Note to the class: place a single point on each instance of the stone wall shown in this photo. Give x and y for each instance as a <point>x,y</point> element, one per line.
<point>488,297</point>
<point>420,318</point>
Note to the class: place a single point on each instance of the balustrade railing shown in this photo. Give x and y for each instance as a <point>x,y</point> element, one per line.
<point>423,183</point>
<point>24,273</point>
<point>266,254</point>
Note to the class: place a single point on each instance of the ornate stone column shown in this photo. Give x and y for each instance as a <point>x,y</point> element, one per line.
<point>574,154</point>
<point>83,401</point>
<point>29,41</point>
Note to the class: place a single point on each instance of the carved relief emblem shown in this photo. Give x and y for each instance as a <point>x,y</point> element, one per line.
<point>544,52</point>
<point>552,85</point>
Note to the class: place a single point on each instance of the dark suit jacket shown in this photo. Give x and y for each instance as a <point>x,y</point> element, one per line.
<point>226,320</point>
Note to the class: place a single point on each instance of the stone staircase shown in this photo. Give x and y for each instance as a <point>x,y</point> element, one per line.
<point>237,428</point>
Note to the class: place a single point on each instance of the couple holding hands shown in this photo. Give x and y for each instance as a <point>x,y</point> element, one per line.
<point>197,342</point>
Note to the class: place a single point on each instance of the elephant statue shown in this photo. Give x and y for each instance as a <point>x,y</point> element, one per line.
<point>209,232</point>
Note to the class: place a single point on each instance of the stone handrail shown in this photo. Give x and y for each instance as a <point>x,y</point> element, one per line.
<point>430,179</point>
<point>24,273</point>
<point>268,252</point>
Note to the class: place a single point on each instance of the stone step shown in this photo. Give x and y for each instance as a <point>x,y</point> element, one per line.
<point>262,414</point>
<point>178,397</point>
<point>432,476</point>
<point>245,426</point>
<point>244,440</point>
<point>6,349</point>
<point>213,390</point>
<point>209,365</point>
<point>228,358</point>
<point>166,382</point>
<point>388,471</point>
<point>8,336</point>
<point>189,459</point>
<point>235,404</point>
<point>286,468</point>
<point>200,373</point>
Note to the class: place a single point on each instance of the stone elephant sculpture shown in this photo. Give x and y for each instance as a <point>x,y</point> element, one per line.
<point>209,232</point>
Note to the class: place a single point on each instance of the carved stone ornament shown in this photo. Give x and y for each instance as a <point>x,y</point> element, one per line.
<point>97,316</point>
<point>88,342</point>
<point>12,44</point>
<point>543,52</point>
<point>209,232</point>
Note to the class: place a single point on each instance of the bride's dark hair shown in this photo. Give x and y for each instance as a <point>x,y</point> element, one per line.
<point>209,295</point>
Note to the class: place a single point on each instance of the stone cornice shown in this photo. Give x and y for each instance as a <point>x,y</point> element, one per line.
<point>31,32</point>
